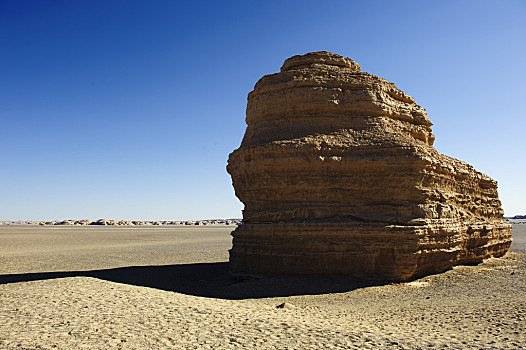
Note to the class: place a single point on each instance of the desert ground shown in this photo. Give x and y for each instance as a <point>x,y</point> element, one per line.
<point>169,288</point>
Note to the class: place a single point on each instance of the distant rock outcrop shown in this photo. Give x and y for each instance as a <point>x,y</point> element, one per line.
<point>338,175</point>
<point>104,222</point>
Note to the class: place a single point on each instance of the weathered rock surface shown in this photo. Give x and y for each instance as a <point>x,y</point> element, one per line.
<point>338,175</point>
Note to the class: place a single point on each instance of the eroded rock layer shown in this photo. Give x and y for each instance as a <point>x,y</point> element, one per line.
<point>338,175</point>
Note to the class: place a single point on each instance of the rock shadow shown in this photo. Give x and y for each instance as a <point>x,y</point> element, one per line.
<point>207,280</point>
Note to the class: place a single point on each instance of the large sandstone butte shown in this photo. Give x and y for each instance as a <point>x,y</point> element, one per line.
<point>338,175</point>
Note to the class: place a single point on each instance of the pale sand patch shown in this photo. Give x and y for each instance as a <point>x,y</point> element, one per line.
<point>469,307</point>
<point>418,283</point>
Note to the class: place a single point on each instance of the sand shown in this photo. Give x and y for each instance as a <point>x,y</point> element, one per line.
<point>168,287</point>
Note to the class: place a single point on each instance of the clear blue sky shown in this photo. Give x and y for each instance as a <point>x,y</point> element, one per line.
<point>126,109</point>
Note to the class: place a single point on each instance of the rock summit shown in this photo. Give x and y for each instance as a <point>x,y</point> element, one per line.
<point>338,175</point>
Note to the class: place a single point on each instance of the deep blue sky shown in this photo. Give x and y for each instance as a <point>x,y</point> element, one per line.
<point>128,109</point>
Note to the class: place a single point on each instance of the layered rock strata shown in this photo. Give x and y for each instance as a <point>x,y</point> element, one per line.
<point>338,175</point>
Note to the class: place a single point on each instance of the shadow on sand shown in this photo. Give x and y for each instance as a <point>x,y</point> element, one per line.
<point>207,280</point>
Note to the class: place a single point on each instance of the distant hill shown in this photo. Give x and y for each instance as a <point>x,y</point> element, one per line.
<point>516,217</point>
<point>105,222</point>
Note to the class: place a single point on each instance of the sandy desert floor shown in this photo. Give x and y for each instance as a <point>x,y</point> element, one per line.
<point>168,287</point>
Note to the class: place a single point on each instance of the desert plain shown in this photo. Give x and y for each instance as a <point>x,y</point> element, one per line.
<point>160,287</point>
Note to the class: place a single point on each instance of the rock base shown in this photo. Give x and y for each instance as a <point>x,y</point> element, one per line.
<point>361,250</point>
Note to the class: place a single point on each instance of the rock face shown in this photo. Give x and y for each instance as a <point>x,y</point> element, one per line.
<point>338,175</point>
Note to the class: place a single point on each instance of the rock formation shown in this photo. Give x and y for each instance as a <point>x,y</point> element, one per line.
<point>338,175</point>
<point>104,222</point>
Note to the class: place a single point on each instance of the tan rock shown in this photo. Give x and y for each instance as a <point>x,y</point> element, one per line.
<point>338,175</point>
<point>65,222</point>
<point>285,305</point>
<point>102,222</point>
